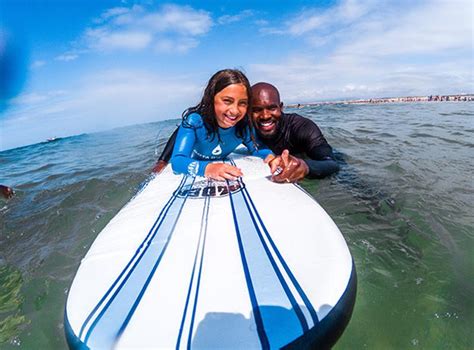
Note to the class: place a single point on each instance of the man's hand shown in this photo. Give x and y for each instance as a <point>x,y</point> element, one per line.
<point>222,171</point>
<point>159,166</point>
<point>7,192</point>
<point>287,168</point>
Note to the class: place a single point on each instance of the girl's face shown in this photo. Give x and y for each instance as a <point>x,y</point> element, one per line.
<point>230,105</point>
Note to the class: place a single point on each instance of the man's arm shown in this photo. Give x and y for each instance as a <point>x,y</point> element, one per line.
<point>307,136</point>
<point>165,157</point>
<point>321,162</point>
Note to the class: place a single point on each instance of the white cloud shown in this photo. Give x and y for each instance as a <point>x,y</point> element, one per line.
<point>101,101</point>
<point>378,50</point>
<point>137,28</point>
<point>37,64</point>
<point>105,40</point>
<point>113,12</point>
<point>226,19</point>
<point>178,19</point>
<point>34,98</point>
<point>179,45</point>
<point>261,22</point>
<point>67,57</point>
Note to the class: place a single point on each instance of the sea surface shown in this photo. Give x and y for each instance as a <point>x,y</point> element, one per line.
<point>404,201</point>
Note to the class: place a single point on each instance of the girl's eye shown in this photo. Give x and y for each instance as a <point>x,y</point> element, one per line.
<point>243,103</point>
<point>228,101</point>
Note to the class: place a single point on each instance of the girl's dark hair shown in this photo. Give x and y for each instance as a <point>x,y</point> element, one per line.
<point>218,82</point>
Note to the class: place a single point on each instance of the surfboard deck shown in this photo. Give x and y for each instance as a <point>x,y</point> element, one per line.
<point>196,263</point>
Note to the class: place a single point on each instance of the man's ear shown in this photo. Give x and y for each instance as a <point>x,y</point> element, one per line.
<point>281,105</point>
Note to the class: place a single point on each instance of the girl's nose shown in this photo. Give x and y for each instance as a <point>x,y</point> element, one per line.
<point>233,108</point>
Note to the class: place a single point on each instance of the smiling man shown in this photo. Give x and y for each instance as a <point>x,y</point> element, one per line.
<point>290,134</point>
<point>287,135</point>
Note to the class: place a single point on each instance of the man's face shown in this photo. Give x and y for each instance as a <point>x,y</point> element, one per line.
<point>266,111</point>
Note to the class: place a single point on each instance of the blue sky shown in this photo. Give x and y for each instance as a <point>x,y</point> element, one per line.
<point>85,66</point>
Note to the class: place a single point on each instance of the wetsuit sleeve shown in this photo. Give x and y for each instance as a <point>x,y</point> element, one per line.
<point>181,160</point>
<point>321,168</point>
<point>168,150</point>
<point>321,162</point>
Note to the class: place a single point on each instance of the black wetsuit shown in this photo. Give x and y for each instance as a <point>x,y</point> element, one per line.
<point>297,134</point>
<point>303,138</point>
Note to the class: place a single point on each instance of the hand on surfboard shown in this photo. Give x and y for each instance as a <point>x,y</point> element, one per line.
<point>287,168</point>
<point>222,171</point>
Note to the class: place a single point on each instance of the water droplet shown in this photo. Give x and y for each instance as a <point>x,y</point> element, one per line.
<point>414,341</point>
<point>418,280</point>
<point>15,342</point>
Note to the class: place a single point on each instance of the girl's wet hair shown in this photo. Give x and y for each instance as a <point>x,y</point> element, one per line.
<point>218,82</point>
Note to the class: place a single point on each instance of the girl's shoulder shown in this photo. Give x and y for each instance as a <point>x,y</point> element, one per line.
<point>193,120</point>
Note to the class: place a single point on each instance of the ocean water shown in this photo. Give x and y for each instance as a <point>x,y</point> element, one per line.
<point>404,201</point>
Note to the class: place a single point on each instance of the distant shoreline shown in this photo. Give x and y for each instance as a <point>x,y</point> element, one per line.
<point>406,99</point>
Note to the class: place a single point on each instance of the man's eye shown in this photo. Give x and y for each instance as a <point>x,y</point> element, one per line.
<point>256,110</point>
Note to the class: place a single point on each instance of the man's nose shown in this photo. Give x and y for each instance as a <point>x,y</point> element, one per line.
<point>267,113</point>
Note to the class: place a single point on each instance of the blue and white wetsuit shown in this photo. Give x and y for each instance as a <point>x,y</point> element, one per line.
<point>194,150</point>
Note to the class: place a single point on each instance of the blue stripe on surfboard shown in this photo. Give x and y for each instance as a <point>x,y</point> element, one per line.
<point>279,314</point>
<point>256,310</point>
<point>295,282</point>
<point>120,307</point>
<point>198,281</point>
<point>188,296</point>
<point>289,294</point>
<point>292,278</point>
<point>139,249</point>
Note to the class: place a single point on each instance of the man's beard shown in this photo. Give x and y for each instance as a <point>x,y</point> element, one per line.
<point>269,134</point>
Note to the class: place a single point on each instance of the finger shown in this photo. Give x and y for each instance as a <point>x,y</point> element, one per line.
<point>234,171</point>
<point>282,176</point>
<point>289,174</point>
<point>269,158</point>
<point>285,157</point>
<point>278,179</point>
<point>275,164</point>
<point>229,176</point>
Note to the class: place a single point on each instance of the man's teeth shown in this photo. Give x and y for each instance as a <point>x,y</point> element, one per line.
<point>266,123</point>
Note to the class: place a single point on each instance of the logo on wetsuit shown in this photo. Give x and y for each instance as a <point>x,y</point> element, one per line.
<point>217,151</point>
<point>210,188</point>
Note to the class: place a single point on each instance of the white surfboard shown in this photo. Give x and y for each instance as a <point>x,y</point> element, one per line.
<point>195,263</point>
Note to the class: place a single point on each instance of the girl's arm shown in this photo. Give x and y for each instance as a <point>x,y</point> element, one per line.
<point>181,160</point>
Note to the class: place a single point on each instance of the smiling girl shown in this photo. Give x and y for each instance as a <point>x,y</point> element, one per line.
<point>215,127</point>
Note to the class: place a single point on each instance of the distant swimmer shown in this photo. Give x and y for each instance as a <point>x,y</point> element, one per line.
<point>286,135</point>
<point>7,192</point>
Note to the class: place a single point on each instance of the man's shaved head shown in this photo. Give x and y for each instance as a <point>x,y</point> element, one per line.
<point>266,109</point>
<point>267,88</point>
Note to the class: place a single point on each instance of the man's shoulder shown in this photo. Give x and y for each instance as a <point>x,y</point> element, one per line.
<point>295,120</point>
